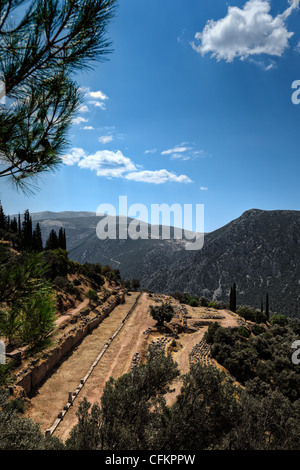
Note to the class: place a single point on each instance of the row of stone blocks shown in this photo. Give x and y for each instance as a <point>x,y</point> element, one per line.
<point>201,353</point>
<point>73,395</point>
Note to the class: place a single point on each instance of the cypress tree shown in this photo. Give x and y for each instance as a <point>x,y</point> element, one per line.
<point>62,239</point>
<point>267,307</point>
<point>52,243</point>
<point>37,242</point>
<point>14,225</point>
<point>19,226</point>
<point>2,218</point>
<point>27,231</point>
<point>232,300</point>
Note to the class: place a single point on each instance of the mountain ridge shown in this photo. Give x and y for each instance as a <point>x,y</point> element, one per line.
<point>258,250</point>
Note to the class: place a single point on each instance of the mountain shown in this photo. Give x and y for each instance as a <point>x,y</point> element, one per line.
<point>259,251</point>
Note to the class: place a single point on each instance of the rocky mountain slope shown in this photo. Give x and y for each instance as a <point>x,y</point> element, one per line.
<point>259,251</point>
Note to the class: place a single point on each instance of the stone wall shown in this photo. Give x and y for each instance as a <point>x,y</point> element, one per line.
<point>33,376</point>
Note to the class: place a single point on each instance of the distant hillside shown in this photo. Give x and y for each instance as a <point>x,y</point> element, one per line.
<point>260,251</point>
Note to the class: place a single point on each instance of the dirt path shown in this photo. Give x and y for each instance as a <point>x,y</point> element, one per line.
<point>52,395</point>
<point>115,362</point>
<point>188,341</point>
<point>70,313</point>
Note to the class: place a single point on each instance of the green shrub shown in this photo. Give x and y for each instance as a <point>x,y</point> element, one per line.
<point>92,296</point>
<point>280,320</point>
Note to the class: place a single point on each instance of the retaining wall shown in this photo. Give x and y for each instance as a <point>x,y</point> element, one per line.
<point>32,378</point>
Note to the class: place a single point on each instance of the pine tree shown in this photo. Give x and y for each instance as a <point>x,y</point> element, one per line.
<point>42,44</point>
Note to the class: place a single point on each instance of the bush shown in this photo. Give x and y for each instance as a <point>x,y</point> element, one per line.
<point>38,318</point>
<point>92,296</point>
<point>65,285</point>
<point>57,263</point>
<point>243,332</point>
<point>280,320</point>
<point>162,313</point>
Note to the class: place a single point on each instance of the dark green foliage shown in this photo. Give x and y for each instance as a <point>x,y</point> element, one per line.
<point>251,314</point>
<point>92,296</point>
<point>281,320</point>
<point>126,283</point>
<point>131,409</point>
<point>57,263</point>
<point>135,284</point>
<point>37,242</point>
<point>162,313</point>
<point>20,433</point>
<point>21,234</point>
<point>210,412</point>
<point>205,411</point>
<point>232,300</point>
<point>267,307</point>
<point>266,356</point>
<point>209,335</point>
<point>56,242</point>
<point>244,332</point>
<point>267,422</point>
<point>94,272</point>
<point>193,301</point>
<point>26,301</point>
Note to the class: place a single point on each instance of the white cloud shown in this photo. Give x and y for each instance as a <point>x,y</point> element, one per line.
<point>111,164</point>
<point>83,109</point>
<point>88,128</point>
<point>184,152</point>
<point>74,157</point>
<point>150,151</point>
<point>105,139</point>
<point>79,120</point>
<point>98,95</point>
<point>174,150</point>
<point>157,177</point>
<point>203,188</point>
<point>245,32</point>
<point>107,163</point>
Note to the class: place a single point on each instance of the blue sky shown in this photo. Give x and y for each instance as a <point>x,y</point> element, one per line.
<point>187,111</point>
